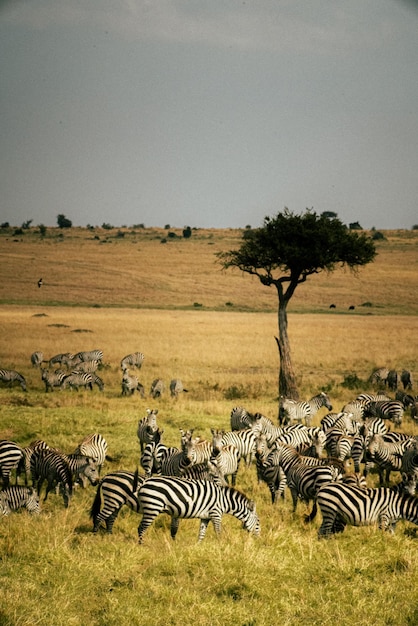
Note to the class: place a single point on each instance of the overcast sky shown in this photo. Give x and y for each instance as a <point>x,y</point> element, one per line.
<point>208,113</point>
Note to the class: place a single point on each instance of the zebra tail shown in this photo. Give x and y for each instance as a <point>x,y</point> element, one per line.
<point>109,458</point>
<point>97,502</point>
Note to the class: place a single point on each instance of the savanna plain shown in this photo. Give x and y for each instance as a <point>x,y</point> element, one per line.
<point>127,290</point>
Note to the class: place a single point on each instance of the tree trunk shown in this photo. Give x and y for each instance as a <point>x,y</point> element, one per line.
<point>287,379</point>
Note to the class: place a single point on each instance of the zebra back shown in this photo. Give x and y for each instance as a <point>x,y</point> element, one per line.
<point>19,496</point>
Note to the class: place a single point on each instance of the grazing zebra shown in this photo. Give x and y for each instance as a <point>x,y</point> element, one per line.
<point>114,490</point>
<point>176,387</point>
<point>356,408</point>
<point>392,380</point>
<point>24,463</point>
<point>50,466</point>
<point>205,500</point>
<point>36,359</point>
<point>406,379</point>
<point>90,355</point>
<point>95,447</point>
<point>379,376</point>
<point>342,421</point>
<point>296,411</point>
<point>60,359</point>
<point>342,504</point>
<point>387,409</point>
<point>406,398</point>
<point>10,377</point>
<point>210,470</point>
<point>410,460</point>
<point>132,360</point>
<point>345,447</point>
<point>83,469</point>
<point>10,455</point>
<point>52,379</point>
<point>387,455</point>
<point>130,384</point>
<point>75,381</point>
<point>355,480</point>
<point>147,428</point>
<point>87,367</point>
<point>18,497</point>
<point>367,398</point>
<point>270,473</point>
<point>157,388</point>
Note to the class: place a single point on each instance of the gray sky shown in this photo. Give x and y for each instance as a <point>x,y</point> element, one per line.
<point>209,113</point>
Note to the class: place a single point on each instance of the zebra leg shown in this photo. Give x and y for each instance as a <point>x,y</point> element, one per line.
<point>327,527</point>
<point>175,521</point>
<point>311,516</point>
<point>203,526</point>
<point>146,522</point>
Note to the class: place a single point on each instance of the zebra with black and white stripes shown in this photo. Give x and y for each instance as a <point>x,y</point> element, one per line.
<point>51,466</point>
<point>10,456</point>
<point>90,355</point>
<point>37,358</point>
<point>304,482</point>
<point>52,379</point>
<point>24,463</point>
<point>387,455</point>
<point>87,367</point>
<point>60,359</point>
<point>115,490</point>
<point>157,388</point>
<point>379,376</point>
<point>83,469</point>
<point>94,446</point>
<point>155,454</point>
<point>291,411</point>
<point>342,504</point>
<point>225,457</point>
<point>10,377</point>
<point>270,473</point>
<point>18,497</point>
<point>75,381</point>
<point>147,428</point>
<point>176,388</point>
<point>240,418</point>
<point>204,500</point>
<point>244,440</point>
<point>391,410</point>
<point>406,379</point>
<point>132,360</point>
<point>130,384</point>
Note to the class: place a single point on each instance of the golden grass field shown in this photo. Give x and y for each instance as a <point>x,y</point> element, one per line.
<point>123,294</point>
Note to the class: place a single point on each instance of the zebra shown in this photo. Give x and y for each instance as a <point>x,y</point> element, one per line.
<point>387,409</point>
<point>147,428</point>
<point>270,473</point>
<point>379,376</point>
<point>132,360</point>
<point>75,381</point>
<point>226,457</point>
<point>90,355</point>
<point>244,440</point>
<point>52,379</point>
<point>210,470</point>
<point>342,504</point>
<point>406,379</point>
<point>410,460</point>
<point>114,490</point>
<point>205,500</point>
<point>87,367</point>
<point>387,455</point>
<point>414,411</point>
<point>406,398</point>
<point>345,447</point>
<point>304,482</point>
<point>95,447</point>
<point>392,380</point>
<point>155,453</point>
<point>130,384</point>
<point>51,466</point>
<point>176,387</point>
<point>24,462</point>
<point>60,359</point>
<point>344,421</point>
<point>83,469</point>
<point>356,408</point>
<point>10,455</point>
<point>157,388</point>
<point>296,411</point>
<point>200,451</point>
<point>10,377</point>
<point>18,496</point>
<point>240,418</point>
<point>36,359</point>
<point>174,463</point>
<point>367,398</point>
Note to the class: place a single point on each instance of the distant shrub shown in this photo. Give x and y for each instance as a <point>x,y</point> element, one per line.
<point>106,226</point>
<point>42,230</point>
<point>355,226</point>
<point>197,305</point>
<point>18,231</point>
<point>163,240</point>
<point>120,234</point>
<point>229,304</point>
<point>187,232</point>
<point>5,225</point>
<point>367,304</point>
<point>171,235</point>
<point>167,227</point>
<point>234,392</point>
<point>352,381</point>
<point>415,227</point>
<point>378,235</point>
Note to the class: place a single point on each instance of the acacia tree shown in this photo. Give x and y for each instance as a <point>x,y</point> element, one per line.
<point>284,252</point>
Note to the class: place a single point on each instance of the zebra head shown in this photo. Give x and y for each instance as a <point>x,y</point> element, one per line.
<point>217,443</point>
<point>32,502</point>
<point>251,521</point>
<point>325,400</point>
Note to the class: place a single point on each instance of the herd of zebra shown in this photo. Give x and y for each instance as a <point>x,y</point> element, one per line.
<point>79,370</point>
<point>327,465</point>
